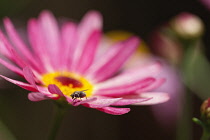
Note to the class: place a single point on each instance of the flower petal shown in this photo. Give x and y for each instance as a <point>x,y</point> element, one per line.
<point>15,37</point>
<point>29,76</point>
<point>76,103</point>
<point>11,67</point>
<point>152,86</point>
<point>55,90</point>
<point>50,35</point>
<point>157,98</point>
<point>102,102</point>
<point>69,38</point>
<point>12,53</point>
<point>3,49</point>
<point>37,44</point>
<point>20,84</point>
<point>113,60</point>
<point>92,21</point>
<point>134,74</point>
<point>128,87</point>
<point>37,96</point>
<point>21,46</point>
<point>114,111</point>
<point>129,101</point>
<point>88,53</point>
<point>14,56</point>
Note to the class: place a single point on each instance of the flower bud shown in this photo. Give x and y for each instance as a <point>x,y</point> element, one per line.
<point>187,26</point>
<point>205,110</point>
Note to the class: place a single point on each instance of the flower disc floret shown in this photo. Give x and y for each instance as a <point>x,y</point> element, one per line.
<point>68,82</point>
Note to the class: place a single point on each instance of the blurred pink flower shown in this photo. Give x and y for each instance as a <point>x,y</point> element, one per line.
<point>166,113</point>
<point>63,62</point>
<point>165,46</point>
<point>169,112</point>
<point>205,109</point>
<point>206,3</point>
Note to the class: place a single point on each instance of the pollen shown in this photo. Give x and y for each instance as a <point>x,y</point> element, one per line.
<point>68,82</point>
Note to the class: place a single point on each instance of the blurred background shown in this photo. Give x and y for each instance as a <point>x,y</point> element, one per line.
<point>30,120</point>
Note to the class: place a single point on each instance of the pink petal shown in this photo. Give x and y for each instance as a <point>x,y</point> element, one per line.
<point>29,76</point>
<point>55,90</point>
<point>50,35</point>
<point>154,85</point>
<point>128,87</point>
<point>15,37</point>
<point>76,103</point>
<point>11,67</point>
<point>12,53</point>
<point>157,98</point>
<point>3,45</point>
<point>3,50</point>
<point>20,84</point>
<point>14,56</point>
<point>114,111</point>
<point>92,21</point>
<point>88,53</point>
<point>69,38</point>
<point>133,74</point>
<point>69,99</point>
<point>46,92</point>
<point>102,102</point>
<point>17,59</point>
<point>37,44</point>
<point>127,101</point>
<point>37,96</point>
<point>21,47</point>
<point>113,59</point>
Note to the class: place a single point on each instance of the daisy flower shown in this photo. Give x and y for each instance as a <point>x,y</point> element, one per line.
<point>73,64</point>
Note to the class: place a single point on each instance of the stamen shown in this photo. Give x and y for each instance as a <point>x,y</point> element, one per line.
<point>67,81</point>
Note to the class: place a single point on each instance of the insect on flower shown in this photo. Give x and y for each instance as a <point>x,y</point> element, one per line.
<point>78,94</point>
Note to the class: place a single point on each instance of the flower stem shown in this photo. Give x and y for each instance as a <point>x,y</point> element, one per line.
<point>206,128</point>
<point>5,133</point>
<point>59,114</point>
<point>206,135</point>
<point>184,128</point>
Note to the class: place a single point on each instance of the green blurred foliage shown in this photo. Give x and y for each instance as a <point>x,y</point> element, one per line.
<point>197,72</point>
<point>11,7</point>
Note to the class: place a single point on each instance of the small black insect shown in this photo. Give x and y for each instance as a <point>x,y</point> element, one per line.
<point>78,94</point>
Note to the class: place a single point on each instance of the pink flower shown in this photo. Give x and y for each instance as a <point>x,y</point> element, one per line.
<point>168,113</point>
<point>206,3</point>
<point>68,62</point>
<point>205,109</point>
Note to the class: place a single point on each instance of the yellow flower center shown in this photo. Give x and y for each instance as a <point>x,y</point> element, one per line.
<point>68,82</point>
